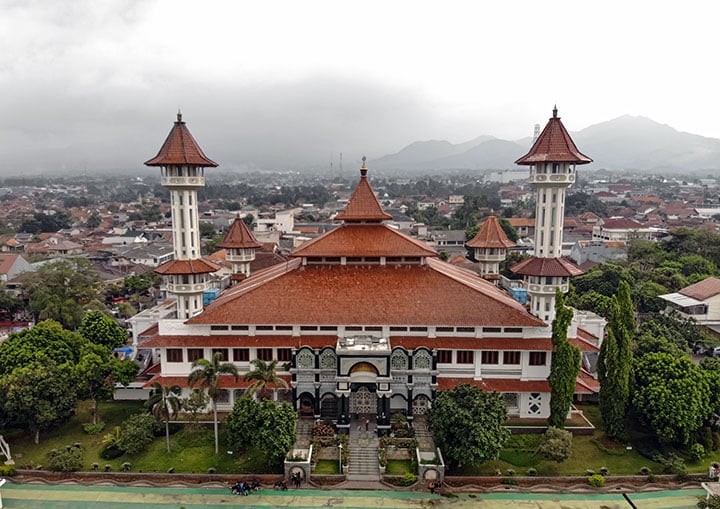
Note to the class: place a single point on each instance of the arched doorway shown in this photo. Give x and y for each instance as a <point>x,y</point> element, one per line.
<point>363,401</point>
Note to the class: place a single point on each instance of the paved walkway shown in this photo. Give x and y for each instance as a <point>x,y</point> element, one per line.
<point>26,496</point>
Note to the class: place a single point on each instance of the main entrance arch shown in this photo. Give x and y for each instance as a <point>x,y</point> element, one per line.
<point>363,401</point>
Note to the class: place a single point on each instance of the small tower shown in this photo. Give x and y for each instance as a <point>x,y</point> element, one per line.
<point>490,246</point>
<point>552,160</point>
<point>182,165</point>
<point>240,245</point>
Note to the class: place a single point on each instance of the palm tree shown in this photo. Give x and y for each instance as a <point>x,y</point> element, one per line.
<point>208,373</point>
<point>263,375</point>
<point>164,404</point>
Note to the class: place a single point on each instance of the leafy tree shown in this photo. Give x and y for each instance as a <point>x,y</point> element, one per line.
<point>63,291</point>
<point>509,229</point>
<point>194,404</point>
<point>9,304</point>
<point>671,395</point>
<point>557,444</point>
<point>614,362</point>
<point>46,341</point>
<point>100,329</point>
<point>39,396</point>
<point>164,404</point>
<point>136,433</point>
<point>207,373</point>
<point>207,230</point>
<point>263,376</point>
<point>93,220</point>
<point>266,425</point>
<point>97,372</point>
<point>469,424</point>
<point>564,366</point>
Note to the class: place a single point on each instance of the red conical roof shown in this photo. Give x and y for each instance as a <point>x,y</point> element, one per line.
<point>554,145</point>
<point>180,148</point>
<point>550,267</point>
<point>363,205</point>
<point>239,237</point>
<point>491,235</point>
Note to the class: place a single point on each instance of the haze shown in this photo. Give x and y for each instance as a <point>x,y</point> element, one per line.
<point>285,84</point>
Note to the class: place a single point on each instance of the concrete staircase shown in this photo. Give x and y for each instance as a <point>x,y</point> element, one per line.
<point>364,464</point>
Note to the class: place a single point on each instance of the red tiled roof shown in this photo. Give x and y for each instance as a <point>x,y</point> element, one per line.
<point>549,267</point>
<point>368,240</point>
<point>621,224</point>
<point>363,206</point>
<point>180,148</point>
<point>518,222</point>
<point>239,237</point>
<point>436,293</point>
<point>197,266</point>
<point>6,262</point>
<point>490,235</point>
<point>554,145</point>
<point>224,381</point>
<point>506,385</point>
<point>702,290</point>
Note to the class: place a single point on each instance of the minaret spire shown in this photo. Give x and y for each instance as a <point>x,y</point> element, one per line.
<point>182,165</point>
<point>552,160</point>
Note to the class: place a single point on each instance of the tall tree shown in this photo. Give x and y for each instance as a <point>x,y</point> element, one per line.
<point>63,291</point>
<point>672,395</point>
<point>207,374</point>
<point>164,404</point>
<point>39,396</point>
<point>268,426</point>
<point>47,340</point>
<point>263,376</point>
<point>100,329</point>
<point>469,424</point>
<point>564,366</point>
<point>615,362</point>
<point>97,372</point>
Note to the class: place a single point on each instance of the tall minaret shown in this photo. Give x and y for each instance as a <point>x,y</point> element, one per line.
<point>552,160</point>
<point>182,165</point>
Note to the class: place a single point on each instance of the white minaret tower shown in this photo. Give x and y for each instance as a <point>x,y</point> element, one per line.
<point>552,160</point>
<point>182,165</point>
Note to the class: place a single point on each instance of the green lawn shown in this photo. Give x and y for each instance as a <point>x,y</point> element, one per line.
<point>589,453</point>
<point>327,467</point>
<point>398,467</point>
<point>191,451</point>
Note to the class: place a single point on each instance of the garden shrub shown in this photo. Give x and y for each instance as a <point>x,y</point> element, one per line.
<point>596,481</point>
<point>7,470</point>
<point>531,472</point>
<point>604,471</point>
<point>110,452</point>
<point>557,444</point>
<point>136,433</point>
<point>697,452</point>
<point>589,472</point>
<point>69,460</point>
<point>408,479</point>
<point>645,471</point>
<point>672,464</point>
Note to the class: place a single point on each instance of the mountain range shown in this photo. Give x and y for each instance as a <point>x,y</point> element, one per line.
<point>625,143</point>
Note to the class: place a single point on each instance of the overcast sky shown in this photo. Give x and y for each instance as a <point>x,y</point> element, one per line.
<point>97,84</point>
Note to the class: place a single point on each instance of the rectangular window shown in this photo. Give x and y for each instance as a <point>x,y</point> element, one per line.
<point>465,357</point>
<point>445,356</point>
<point>174,355</point>
<point>511,357</point>
<point>492,329</point>
<point>223,352</point>
<point>283,354</point>
<point>241,354</point>
<point>490,356</point>
<point>538,358</point>
<point>195,354</point>
<point>264,354</point>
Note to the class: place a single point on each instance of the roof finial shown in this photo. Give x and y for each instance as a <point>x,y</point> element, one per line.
<point>179,115</point>
<point>363,168</point>
<point>555,111</point>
